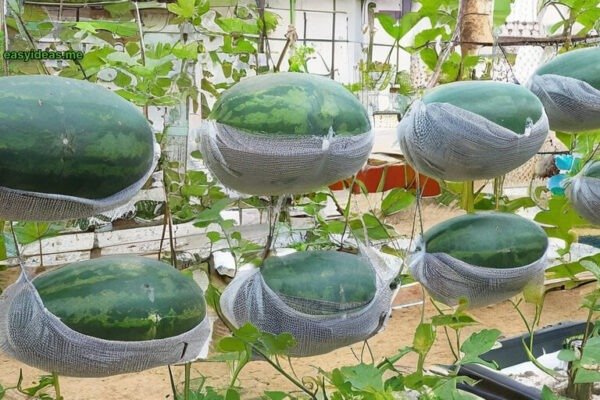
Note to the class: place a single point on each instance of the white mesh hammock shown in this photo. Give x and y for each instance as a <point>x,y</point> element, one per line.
<point>31,334</point>
<point>248,299</point>
<point>448,279</point>
<point>584,194</point>
<point>260,164</point>
<point>19,205</point>
<point>572,105</point>
<point>450,143</point>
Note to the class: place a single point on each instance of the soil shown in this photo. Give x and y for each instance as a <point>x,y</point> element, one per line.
<point>258,377</point>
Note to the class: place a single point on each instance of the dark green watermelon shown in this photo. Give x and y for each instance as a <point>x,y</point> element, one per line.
<point>505,104</point>
<point>592,170</point>
<point>581,64</point>
<point>125,298</point>
<point>290,103</point>
<point>491,240</point>
<point>70,137</point>
<point>337,281</point>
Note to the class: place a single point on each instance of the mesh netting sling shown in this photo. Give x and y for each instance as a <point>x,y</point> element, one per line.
<point>249,299</point>
<point>448,280</point>
<point>275,165</point>
<point>25,205</point>
<point>572,105</point>
<point>483,258</point>
<point>33,335</point>
<point>583,191</point>
<point>447,142</point>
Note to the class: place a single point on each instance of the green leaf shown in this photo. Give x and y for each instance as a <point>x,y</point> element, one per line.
<point>591,352</point>
<point>429,57</point>
<point>248,333</point>
<point>477,344</point>
<point>213,236</point>
<point>212,214</point>
<point>123,29</point>
<point>428,35</point>
<point>29,232</point>
<point>567,355</point>
<point>186,51</point>
<point>560,218</point>
<point>586,376</point>
<point>183,8</point>
<point>244,46</point>
<point>547,394</point>
<point>396,200</point>
<point>398,28</point>
<point>592,267</point>
<point>424,338</point>
<point>447,390</point>
<point>502,9</point>
<point>232,394</point>
<point>454,321</point>
<point>231,345</point>
<point>363,377</point>
<point>237,25</point>
<point>277,344</point>
<point>276,395</point>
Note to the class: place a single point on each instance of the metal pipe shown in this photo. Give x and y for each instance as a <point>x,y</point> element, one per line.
<point>332,72</point>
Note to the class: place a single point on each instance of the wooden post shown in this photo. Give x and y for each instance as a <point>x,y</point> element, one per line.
<point>476,25</point>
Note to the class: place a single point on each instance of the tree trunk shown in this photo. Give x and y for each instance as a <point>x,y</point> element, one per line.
<point>476,25</point>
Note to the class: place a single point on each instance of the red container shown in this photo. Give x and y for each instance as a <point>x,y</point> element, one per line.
<point>384,177</point>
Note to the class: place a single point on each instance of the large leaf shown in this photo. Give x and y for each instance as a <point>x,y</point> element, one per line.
<point>477,344</point>
<point>502,9</point>
<point>364,377</point>
<point>396,200</point>
<point>398,28</point>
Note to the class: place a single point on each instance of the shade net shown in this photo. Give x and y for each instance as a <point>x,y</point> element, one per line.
<point>450,143</point>
<point>31,334</point>
<point>572,105</point>
<point>448,279</point>
<point>584,194</point>
<point>274,165</point>
<point>19,205</point>
<point>249,299</point>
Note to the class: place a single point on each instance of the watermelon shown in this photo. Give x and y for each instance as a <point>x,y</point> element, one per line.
<point>290,103</point>
<point>488,240</point>
<point>126,298</point>
<point>505,104</point>
<point>320,282</point>
<point>581,64</point>
<point>69,137</point>
<point>592,170</point>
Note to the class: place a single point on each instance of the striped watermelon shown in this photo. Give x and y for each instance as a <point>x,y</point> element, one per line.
<point>124,298</point>
<point>331,281</point>
<point>489,240</point>
<point>581,64</point>
<point>507,105</point>
<point>69,137</point>
<point>290,103</point>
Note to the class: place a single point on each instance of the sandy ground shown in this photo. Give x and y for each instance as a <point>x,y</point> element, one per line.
<point>259,376</point>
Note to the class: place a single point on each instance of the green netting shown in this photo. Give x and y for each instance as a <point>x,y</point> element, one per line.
<point>291,104</point>
<point>507,105</point>
<point>491,240</point>
<point>340,281</point>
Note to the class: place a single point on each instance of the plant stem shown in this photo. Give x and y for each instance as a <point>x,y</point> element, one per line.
<point>468,201</point>
<point>56,386</point>
<point>186,380</point>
